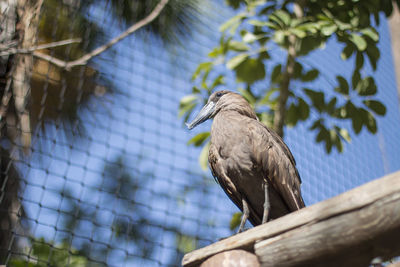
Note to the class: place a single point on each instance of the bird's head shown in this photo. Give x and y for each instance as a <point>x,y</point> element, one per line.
<point>222,100</point>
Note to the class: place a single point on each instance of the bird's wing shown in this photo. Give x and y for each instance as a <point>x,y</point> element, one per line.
<point>279,166</point>
<point>285,149</point>
<point>220,175</point>
<point>227,185</point>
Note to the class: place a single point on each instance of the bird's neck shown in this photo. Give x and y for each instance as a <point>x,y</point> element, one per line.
<point>238,112</point>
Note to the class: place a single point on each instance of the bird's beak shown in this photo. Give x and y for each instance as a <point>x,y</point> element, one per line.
<point>204,114</point>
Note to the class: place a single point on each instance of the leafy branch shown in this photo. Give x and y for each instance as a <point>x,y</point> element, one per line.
<point>288,94</point>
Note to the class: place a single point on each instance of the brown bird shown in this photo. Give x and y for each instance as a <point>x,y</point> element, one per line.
<point>250,161</point>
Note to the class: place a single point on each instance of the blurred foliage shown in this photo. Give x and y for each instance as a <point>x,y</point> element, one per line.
<point>235,221</point>
<point>176,22</point>
<point>58,94</point>
<point>112,217</point>
<point>57,98</point>
<point>120,193</point>
<point>185,243</point>
<point>45,254</point>
<point>245,46</point>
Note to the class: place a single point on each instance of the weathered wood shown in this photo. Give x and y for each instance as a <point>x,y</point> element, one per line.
<point>396,264</point>
<point>353,238</point>
<point>346,203</point>
<point>237,258</point>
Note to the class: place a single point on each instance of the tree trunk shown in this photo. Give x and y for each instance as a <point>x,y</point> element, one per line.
<point>28,12</point>
<point>394,22</point>
<point>280,114</point>
<point>19,21</point>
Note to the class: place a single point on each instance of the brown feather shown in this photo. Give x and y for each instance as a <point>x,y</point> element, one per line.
<point>244,153</point>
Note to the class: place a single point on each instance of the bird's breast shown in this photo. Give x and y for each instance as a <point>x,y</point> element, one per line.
<point>232,140</point>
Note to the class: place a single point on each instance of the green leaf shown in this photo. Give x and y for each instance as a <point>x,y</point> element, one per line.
<point>328,144</point>
<point>276,74</point>
<point>342,26</point>
<point>282,15</point>
<point>267,119</point>
<point>249,37</point>
<point>204,66</point>
<point>308,44</point>
<point>316,124</point>
<point>236,61</point>
<point>238,46</point>
<point>367,87</point>
<point>304,109</point>
<point>311,27</point>
<point>299,33</point>
<point>247,94</point>
<point>310,75</point>
<point>263,54</point>
<point>339,144</point>
<point>348,50</point>
<point>232,22</point>
<point>234,3</point>
<point>371,33</point>
<point>263,24</point>
<point>330,107</point>
<point>279,37</point>
<point>199,139</point>
<point>203,158</point>
<point>317,98</point>
<point>373,55</point>
<point>250,70</point>
<point>218,81</point>
<point>344,134</point>
<point>235,221</point>
<point>188,99</point>
<point>350,110</point>
<point>357,122</point>
<point>335,140</point>
<point>356,78</point>
<point>266,100</point>
<point>375,106</point>
<point>185,243</point>
<point>359,41</point>
<point>359,60</point>
<point>217,51</point>
<point>328,30</point>
<point>187,104</point>
<point>369,120</point>
<point>297,70</point>
<point>322,135</point>
<point>292,115</point>
<point>343,85</point>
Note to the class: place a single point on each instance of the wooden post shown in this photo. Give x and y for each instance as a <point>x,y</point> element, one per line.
<point>237,258</point>
<point>351,229</point>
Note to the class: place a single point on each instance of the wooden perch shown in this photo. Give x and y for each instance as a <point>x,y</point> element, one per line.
<point>351,229</point>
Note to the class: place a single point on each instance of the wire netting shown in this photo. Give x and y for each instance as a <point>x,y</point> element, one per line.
<point>109,179</point>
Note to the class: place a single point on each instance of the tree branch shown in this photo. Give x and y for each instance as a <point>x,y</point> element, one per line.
<point>280,115</point>
<point>85,58</point>
<point>11,50</point>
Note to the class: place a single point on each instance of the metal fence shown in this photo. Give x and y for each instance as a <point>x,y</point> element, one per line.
<point>108,177</point>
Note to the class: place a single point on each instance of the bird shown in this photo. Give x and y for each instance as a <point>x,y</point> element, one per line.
<point>252,164</point>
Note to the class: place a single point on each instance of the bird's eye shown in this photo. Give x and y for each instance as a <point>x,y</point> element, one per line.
<point>219,94</point>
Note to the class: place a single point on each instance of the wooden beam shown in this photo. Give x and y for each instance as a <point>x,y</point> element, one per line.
<point>353,238</point>
<point>375,197</point>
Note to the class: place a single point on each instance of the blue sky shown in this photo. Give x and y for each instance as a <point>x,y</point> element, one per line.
<point>140,123</point>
